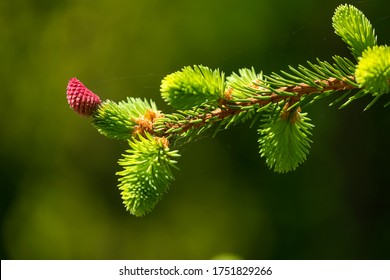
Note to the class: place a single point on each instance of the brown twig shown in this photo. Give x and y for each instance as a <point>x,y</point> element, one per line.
<point>226,105</point>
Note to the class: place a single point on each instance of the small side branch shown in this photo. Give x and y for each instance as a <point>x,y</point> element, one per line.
<point>228,108</point>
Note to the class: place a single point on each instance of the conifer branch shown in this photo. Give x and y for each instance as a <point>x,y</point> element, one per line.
<point>205,98</point>
<point>228,108</point>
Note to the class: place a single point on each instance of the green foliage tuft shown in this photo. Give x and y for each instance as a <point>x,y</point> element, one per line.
<point>147,173</point>
<point>246,83</point>
<point>284,141</point>
<point>192,87</point>
<point>117,120</point>
<point>354,29</point>
<point>373,70</point>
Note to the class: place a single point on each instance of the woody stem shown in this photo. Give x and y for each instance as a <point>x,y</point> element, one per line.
<point>228,108</point>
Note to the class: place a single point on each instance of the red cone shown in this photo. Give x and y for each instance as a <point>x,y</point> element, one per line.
<point>81,99</point>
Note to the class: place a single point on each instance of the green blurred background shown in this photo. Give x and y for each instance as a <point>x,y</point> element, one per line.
<point>59,198</point>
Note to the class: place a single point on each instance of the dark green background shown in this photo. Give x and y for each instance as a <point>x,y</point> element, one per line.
<point>59,198</point>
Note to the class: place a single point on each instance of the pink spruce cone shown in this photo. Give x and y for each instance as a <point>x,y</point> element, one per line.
<point>81,99</point>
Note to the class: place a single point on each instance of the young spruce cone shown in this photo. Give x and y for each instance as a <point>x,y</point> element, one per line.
<point>81,99</point>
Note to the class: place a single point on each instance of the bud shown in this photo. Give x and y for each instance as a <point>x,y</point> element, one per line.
<point>81,99</point>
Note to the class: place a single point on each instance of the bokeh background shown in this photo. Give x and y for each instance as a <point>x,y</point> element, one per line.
<point>59,198</point>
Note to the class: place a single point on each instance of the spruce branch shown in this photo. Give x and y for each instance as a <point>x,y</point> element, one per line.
<point>228,108</point>
<point>205,99</point>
